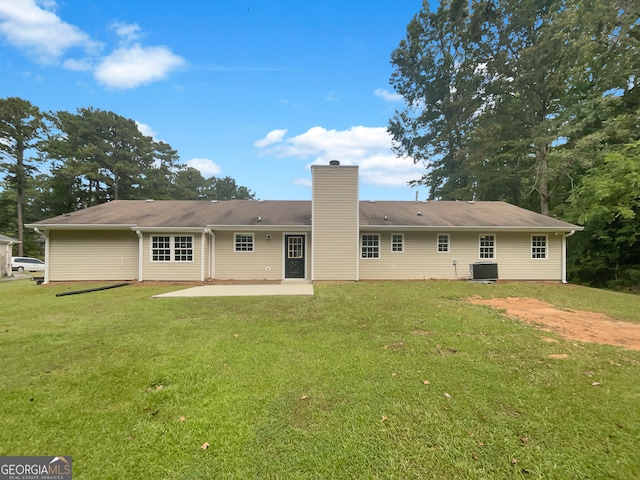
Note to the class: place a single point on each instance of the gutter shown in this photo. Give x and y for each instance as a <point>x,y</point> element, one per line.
<point>259,227</point>
<point>81,226</point>
<point>478,228</point>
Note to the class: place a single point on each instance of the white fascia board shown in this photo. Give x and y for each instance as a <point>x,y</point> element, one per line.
<point>484,228</point>
<point>168,229</point>
<point>251,228</point>
<point>80,226</point>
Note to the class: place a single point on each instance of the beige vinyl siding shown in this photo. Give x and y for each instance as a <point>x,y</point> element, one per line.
<point>421,260</point>
<point>188,271</point>
<point>410,264</point>
<point>93,255</point>
<point>264,263</point>
<point>515,248</point>
<point>335,223</point>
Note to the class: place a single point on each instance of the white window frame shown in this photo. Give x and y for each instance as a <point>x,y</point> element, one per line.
<point>481,237</point>
<point>395,243</point>
<point>375,249</point>
<point>184,249</point>
<point>543,250</point>
<point>172,248</point>
<point>252,243</point>
<point>448,243</point>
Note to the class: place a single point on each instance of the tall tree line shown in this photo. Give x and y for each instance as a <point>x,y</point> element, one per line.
<point>531,102</point>
<point>54,163</point>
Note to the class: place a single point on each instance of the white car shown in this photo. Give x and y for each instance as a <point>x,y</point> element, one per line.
<point>27,263</point>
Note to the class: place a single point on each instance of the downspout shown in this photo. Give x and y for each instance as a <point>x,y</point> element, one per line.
<point>564,255</point>
<point>140,253</point>
<point>202,254</point>
<point>211,251</point>
<point>45,234</point>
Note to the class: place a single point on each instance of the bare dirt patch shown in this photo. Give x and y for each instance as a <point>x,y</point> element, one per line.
<point>569,324</point>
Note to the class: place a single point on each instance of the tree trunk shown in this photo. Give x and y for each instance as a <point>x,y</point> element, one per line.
<point>543,178</point>
<point>19,203</point>
<point>20,181</point>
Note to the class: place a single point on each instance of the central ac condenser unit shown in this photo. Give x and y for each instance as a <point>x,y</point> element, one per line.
<point>484,271</point>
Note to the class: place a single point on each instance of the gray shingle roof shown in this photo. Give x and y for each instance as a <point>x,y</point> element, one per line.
<point>381,214</point>
<point>456,214</point>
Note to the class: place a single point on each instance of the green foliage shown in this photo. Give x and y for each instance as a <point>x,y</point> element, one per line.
<point>61,162</point>
<point>22,127</point>
<point>522,100</point>
<point>499,93</point>
<point>607,201</point>
<point>226,189</point>
<point>329,386</point>
<point>104,150</point>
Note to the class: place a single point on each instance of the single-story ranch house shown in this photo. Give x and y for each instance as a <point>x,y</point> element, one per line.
<point>332,237</point>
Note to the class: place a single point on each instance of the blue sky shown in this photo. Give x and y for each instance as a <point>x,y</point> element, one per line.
<point>257,90</point>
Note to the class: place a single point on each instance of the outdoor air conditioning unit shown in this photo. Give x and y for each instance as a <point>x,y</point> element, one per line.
<point>484,271</point>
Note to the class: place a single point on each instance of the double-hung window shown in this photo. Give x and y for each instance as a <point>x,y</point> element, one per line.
<point>183,249</point>
<point>443,243</point>
<point>397,242</point>
<point>243,242</point>
<point>168,248</point>
<point>539,246</point>
<point>487,246</point>
<point>370,246</point>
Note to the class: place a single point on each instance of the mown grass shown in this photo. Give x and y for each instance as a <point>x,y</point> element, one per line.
<point>329,386</point>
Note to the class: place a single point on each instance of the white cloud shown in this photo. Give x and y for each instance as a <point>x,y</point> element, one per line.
<point>146,130</point>
<point>39,31</point>
<point>35,28</point>
<point>274,136</point>
<point>387,96</point>
<point>131,67</point>
<point>208,168</point>
<point>129,32</point>
<point>368,147</point>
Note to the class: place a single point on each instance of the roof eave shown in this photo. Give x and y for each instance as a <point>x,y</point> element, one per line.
<point>79,226</point>
<point>169,229</point>
<point>471,228</point>
<point>248,228</point>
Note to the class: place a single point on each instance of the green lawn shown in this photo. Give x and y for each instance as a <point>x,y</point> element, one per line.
<point>330,386</point>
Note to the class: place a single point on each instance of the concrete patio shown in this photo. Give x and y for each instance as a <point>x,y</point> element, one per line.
<point>242,290</point>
